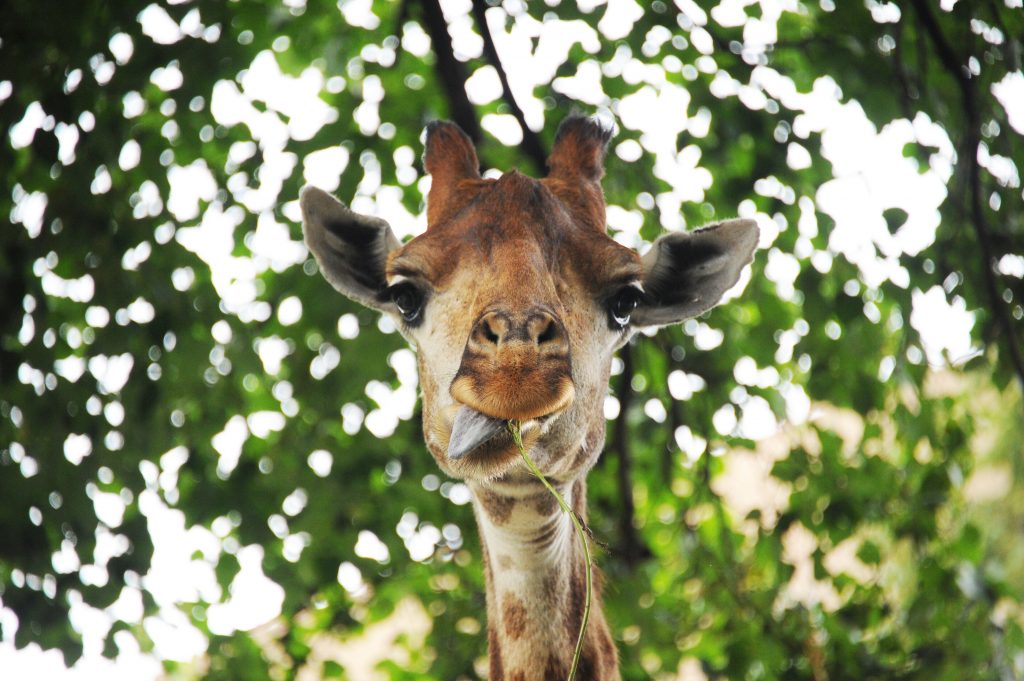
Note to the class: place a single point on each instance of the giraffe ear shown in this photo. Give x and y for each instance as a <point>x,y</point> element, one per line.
<point>686,273</point>
<point>578,152</point>
<point>449,157</point>
<point>575,168</point>
<point>351,249</point>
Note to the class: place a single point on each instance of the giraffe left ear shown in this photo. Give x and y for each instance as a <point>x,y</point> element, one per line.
<point>575,168</point>
<point>350,248</point>
<point>686,273</point>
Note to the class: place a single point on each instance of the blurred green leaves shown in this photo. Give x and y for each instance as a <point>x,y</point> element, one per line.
<point>909,566</point>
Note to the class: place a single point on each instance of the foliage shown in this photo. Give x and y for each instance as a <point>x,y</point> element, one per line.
<point>103,270</point>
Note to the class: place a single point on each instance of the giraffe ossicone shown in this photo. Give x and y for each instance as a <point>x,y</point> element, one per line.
<point>515,299</point>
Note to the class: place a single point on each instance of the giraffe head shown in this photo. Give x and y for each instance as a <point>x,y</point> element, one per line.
<point>515,298</point>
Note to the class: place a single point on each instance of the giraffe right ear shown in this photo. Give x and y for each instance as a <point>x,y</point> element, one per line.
<point>686,273</point>
<point>351,249</point>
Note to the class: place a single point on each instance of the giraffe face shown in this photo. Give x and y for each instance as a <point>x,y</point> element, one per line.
<point>509,304</point>
<point>515,298</point>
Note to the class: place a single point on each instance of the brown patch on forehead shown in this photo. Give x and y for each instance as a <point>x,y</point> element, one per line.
<point>513,617</point>
<point>492,213</point>
<point>515,210</point>
<point>520,225</point>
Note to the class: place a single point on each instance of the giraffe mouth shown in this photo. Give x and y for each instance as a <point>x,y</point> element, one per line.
<point>471,430</point>
<point>474,432</point>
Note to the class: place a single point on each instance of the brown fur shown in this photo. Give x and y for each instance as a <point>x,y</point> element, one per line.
<point>513,617</point>
<point>522,230</point>
<point>494,655</point>
<point>556,668</point>
<point>545,503</point>
<point>451,160</point>
<point>498,507</point>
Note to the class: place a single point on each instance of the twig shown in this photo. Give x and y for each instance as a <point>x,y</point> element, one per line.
<point>972,142</point>
<point>515,429</point>
<point>531,142</point>
<point>816,654</point>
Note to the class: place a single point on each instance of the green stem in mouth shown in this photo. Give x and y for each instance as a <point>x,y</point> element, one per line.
<point>515,429</point>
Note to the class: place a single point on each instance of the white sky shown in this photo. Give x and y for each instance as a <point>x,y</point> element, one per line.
<point>871,175</point>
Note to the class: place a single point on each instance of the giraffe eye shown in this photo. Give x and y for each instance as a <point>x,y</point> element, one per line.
<point>622,304</point>
<point>408,299</point>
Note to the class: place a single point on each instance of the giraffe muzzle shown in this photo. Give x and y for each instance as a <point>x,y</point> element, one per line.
<point>515,366</point>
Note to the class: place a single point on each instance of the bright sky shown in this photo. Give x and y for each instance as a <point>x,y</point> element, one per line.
<point>871,175</point>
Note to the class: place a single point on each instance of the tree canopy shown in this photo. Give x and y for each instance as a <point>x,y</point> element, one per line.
<point>820,479</point>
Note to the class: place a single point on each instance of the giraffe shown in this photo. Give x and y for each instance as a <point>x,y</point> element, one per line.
<point>515,300</point>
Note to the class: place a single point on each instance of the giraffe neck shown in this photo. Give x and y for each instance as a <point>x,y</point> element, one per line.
<point>536,586</point>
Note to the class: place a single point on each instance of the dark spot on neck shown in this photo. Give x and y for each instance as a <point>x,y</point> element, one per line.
<point>544,503</point>
<point>513,616</point>
<point>498,507</point>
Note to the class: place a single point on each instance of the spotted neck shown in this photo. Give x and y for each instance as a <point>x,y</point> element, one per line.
<point>536,586</point>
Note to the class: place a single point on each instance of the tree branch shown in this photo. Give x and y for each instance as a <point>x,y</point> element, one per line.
<point>14,285</point>
<point>400,18</point>
<point>972,140</point>
<point>675,414</point>
<point>900,68</point>
<point>1012,45</point>
<point>450,70</point>
<point>531,142</point>
<point>633,548</point>
<point>675,419</point>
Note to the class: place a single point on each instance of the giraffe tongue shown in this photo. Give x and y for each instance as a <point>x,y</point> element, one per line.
<point>470,430</point>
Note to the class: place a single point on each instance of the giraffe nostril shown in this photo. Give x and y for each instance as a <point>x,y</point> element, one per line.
<point>545,330</point>
<point>491,330</point>
<point>489,333</point>
<point>548,333</point>
<point>538,329</point>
